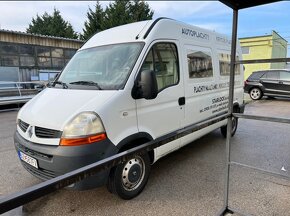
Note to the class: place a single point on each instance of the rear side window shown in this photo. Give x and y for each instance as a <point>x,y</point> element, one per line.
<point>163,60</point>
<point>256,75</point>
<point>199,64</point>
<point>285,75</point>
<point>274,75</point>
<point>224,62</point>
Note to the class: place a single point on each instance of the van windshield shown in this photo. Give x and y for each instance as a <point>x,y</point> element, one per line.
<point>105,67</point>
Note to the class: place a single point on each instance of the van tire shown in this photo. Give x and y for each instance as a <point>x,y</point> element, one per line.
<point>123,180</point>
<point>234,127</point>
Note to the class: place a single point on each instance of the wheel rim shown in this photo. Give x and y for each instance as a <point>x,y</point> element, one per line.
<point>255,94</point>
<point>133,173</point>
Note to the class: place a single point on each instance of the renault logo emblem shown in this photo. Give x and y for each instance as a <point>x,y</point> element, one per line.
<point>30,131</point>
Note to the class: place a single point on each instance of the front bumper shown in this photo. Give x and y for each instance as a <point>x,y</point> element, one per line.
<point>57,160</point>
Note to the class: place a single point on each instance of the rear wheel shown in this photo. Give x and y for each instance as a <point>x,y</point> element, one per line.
<point>129,178</point>
<point>234,127</point>
<point>256,93</point>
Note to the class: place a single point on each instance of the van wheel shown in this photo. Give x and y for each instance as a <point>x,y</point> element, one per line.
<point>129,178</point>
<point>256,93</point>
<point>234,127</point>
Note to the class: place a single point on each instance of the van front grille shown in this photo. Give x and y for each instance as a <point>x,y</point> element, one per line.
<point>23,125</point>
<point>47,133</point>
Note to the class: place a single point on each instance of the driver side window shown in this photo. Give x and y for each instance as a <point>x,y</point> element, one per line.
<point>163,60</point>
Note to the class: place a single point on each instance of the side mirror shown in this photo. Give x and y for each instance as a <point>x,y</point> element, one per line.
<point>145,86</point>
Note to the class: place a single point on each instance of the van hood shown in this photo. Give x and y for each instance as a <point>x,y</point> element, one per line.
<point>53,108</point>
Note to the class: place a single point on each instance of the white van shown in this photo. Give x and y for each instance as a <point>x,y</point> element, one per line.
<point>126,86</point>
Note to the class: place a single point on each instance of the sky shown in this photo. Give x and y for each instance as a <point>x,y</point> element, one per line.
<point>212,15</point>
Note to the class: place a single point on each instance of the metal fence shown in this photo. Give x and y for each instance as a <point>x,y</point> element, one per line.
<point>18,92</point>
<point>226,208</point>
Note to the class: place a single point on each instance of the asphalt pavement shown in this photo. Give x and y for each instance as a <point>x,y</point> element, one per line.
<point>189,181</point>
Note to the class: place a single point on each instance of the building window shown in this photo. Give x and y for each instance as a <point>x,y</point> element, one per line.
<point>26,50</point>
<point>57,62</point>
<point>245,50</point>
<point>10,61</point>
<point>69,53</point>
<point>44,62</point>
<point>56,52</point>
<point>43,51</point>
<point>26,55</point>
<point>9,49</point>
<point>27,61</point>
<point>199,64</point>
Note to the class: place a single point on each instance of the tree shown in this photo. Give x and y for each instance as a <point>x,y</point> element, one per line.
<point>53,25</point>
<point>95,22</point>
<point>140,10</point>
<point>117,13</point>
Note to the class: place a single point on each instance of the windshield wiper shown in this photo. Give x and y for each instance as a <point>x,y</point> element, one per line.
<point>64,85</point>
<point>89,83</point>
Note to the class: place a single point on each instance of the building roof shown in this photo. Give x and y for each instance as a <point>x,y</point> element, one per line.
<point>241,4</point>
<point>261,36</point>
<point>38,35</point>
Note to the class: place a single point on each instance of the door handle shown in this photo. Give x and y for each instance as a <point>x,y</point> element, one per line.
<point>181,101</point>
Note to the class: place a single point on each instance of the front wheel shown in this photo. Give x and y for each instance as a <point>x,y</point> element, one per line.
<point>129,178</point>
<point>256,94</point>
<point>234,127</point>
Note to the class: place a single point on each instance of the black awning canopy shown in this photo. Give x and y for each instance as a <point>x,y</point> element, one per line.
<point>241,4</point>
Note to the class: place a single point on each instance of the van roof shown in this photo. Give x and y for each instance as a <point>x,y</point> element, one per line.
<point>164,28</point>
<point>120,34</point>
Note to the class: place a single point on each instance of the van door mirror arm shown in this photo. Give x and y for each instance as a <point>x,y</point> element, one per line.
<point>136,91</point>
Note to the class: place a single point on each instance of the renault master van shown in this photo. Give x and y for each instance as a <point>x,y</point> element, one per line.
<point>124,87</point>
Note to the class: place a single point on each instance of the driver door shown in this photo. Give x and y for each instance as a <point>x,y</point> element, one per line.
<point>165,113</point>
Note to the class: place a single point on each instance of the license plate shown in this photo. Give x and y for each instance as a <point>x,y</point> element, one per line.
<point>28,159</point>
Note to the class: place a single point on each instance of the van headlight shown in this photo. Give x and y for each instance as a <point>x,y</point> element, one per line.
<point>85,128</point>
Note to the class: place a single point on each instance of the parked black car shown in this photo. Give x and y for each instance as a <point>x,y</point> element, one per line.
<point>268,82</point>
